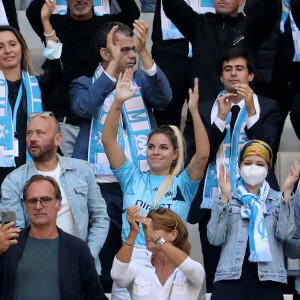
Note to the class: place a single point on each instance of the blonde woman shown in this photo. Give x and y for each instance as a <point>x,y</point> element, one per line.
<point>166,184</point>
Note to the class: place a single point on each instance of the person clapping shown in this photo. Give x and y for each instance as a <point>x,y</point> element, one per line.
<point>169,273</point>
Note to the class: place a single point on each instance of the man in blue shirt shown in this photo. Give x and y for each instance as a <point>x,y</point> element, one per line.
<point>83,211</point>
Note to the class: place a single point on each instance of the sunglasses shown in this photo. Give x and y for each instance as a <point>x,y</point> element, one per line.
<point>44,201</point>
<point>161,210</point>
<point>44,114</point>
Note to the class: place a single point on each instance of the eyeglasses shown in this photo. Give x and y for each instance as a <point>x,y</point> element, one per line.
<point>44,114</point>
<point>45,201</point>
<point>126,50</point>
<point>161,211</point>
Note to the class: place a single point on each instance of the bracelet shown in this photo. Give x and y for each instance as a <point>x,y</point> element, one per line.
<point>49,34</point>
<point>160,241</point>
<point>128,244</point>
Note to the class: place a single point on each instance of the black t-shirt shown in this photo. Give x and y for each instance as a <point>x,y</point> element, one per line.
<point>79,54</point>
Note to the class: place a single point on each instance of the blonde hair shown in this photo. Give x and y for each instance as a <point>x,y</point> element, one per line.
<point>176,139</point>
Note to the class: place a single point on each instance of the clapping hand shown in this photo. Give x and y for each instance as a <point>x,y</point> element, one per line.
<point>194,97</point>
<point>148,228</point>
<point>132,214</point>
<point>291,179</point>
<point>224,104</point>
<point>246,92</point>
<point>224,184</point>
<point>141,32</point>
<point>123,91</point>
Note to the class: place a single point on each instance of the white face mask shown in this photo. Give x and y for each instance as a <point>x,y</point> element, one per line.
<point>53,50</point>
<point>254,174</point>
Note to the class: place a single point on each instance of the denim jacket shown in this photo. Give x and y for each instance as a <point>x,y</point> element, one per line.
<point>292,247</point>
<point>87,204</point>
<point>227,228</point>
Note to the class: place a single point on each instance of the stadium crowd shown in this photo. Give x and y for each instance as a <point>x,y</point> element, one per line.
<point>97,180</point>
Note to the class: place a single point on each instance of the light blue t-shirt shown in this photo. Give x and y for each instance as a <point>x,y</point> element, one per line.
<point>140,189</point>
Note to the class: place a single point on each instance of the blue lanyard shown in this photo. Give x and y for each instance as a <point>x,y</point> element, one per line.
<point>18,101</point>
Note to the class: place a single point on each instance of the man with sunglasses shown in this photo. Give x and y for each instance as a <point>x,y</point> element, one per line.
<point>45,262</point>
<point>83,212</point>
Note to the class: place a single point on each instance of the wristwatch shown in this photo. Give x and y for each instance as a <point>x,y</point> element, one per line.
<point>160,241</point>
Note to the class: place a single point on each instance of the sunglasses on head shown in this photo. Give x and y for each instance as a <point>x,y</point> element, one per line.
<point>161,210</point>
<point>44,114</point>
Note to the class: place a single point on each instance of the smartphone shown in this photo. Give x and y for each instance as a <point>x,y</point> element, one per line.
<point>7,216</point>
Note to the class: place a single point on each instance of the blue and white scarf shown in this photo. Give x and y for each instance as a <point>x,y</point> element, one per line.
<point>34,104</point>
<point>101,7</point>
<point>254,208</point>
<point>286,12</point>
<point>228,152</point>
<point>3,17</point>
<point>170,31</point>
<point>132,139</point>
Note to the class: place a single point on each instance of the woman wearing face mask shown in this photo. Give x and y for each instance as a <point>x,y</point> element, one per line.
<point>251,224</point>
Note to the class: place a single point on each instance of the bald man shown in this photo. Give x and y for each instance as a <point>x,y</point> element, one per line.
<point>83,211</point>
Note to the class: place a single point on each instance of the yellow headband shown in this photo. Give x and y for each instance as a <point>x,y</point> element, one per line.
<point>258,149</point>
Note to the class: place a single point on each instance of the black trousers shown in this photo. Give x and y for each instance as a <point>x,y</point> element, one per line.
<point>248,287</point>
<point>113,196</point>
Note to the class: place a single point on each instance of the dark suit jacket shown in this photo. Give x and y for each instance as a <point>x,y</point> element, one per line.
<point>10,10</point>
<point>295,7</point>
<point>265,129</point>
<point>78,278</point>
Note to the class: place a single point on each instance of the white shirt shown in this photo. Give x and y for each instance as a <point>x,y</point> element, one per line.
<point>65,219</point>
<point>143,284</point>
<point>250,121</point>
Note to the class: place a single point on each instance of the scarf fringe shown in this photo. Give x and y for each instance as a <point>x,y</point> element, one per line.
<point>260,257</point>
<point>7,161</point>
<point>102,169</point>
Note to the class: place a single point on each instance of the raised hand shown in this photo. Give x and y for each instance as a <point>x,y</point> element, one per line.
<point>291,179</point>
<point>246,92</point>
<point>123,91</point>
<point>8,235</point>
<point>224,184</point>
<point>112,46</point>
<point>47,9</point>
<point>141,32</point>
<point>148,228</point>
<point>132,215</point>
<point>194,97</point>
<point>224,105</point>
